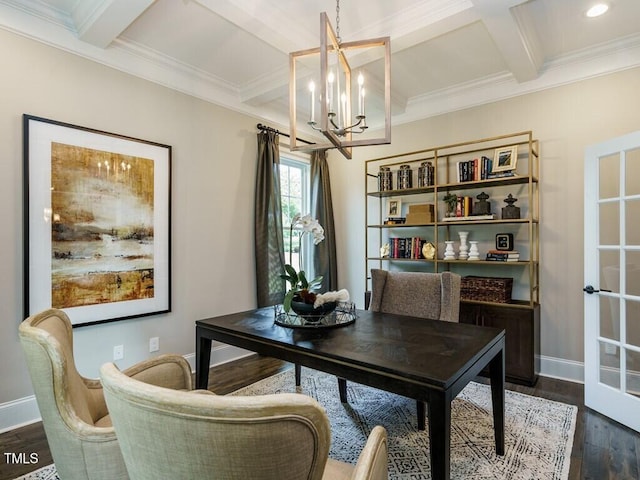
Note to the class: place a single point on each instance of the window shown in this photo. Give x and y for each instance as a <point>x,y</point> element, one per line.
<point>294,195</point>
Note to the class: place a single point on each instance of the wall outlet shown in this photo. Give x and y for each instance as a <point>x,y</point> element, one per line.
<point>118,352</point>
<point>154,344</point>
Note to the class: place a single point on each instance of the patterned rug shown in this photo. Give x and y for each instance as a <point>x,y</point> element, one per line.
<point>538,432</point>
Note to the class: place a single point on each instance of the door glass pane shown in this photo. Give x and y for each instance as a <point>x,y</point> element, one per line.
<point>609,223</point>
<point>609,364</point>
<point>610,317</point>
<point>610,270</point>
<point>633,373</point>
<point>633,322</point>
<point>632,225</point>
<point>609,176</point>
<point>632,172</point>
<point>632,273</point>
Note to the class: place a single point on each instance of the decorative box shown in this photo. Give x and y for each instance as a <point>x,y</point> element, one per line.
<point>486,289</point>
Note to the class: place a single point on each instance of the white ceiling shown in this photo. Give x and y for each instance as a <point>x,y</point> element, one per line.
<point>446,54</point>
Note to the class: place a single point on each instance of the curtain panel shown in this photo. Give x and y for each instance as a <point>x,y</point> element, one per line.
<point>324,259</point>
<point>269,243</point>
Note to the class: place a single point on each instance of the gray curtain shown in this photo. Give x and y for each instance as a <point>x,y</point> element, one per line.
<point>269,245</point>
<point>324,258</point>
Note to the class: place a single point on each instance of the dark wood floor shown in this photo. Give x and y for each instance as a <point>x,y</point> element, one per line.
<point>602,449</point>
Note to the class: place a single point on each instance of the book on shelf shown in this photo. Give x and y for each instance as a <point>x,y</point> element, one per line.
<point>473,170</point>
<point>469,217</point>
<point>509,173</point>
<point>503,255</point>
<point>409,248</point>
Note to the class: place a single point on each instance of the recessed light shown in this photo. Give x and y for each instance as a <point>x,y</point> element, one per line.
<point>597,10</point>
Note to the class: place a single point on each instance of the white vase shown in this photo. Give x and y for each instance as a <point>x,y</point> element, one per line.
<point>474,254</point>
<point>449,253</point>
<point>464,247</point>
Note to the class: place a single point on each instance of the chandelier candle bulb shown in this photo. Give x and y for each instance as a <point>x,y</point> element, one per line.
<point>330,79</point>
<point>312,89</point>
<point>360,95</point>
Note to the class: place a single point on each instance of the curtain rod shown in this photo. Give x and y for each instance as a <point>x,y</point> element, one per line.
<point>265,128</point>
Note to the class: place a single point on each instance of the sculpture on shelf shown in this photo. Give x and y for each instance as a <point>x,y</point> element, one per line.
<point>510,211</point>
<point>463,251</point>
<point>451,200</point>
<point>474,254</point>
<point>449,253</point>
<point>429,251</point>
<point>482,206</point>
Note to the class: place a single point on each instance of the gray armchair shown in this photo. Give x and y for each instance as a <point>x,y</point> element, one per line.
<point>415,294</point>
<point>74,413</point>
<point>187,435</point>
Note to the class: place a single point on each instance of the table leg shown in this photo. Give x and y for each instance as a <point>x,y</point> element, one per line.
<point>439,436</point>
<point>496,373</point>
<point>298,370</point>
<point>421,414</point>
<point>342,389</point>
<point>203,358</point>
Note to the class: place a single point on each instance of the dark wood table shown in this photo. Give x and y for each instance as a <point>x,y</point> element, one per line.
<point>427,360</point>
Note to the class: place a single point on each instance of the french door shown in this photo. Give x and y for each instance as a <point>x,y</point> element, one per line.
<point>612,279</point>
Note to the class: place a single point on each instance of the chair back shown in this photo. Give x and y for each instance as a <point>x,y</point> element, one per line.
<point>416,294</point>
<point>173,434</point>
<point>75,418</point>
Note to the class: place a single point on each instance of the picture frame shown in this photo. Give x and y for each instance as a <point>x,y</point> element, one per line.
<point>97,223</point>
<point>394,208</point>
<point>505,159</point>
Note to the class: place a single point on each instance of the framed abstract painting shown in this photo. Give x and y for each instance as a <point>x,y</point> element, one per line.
<point>97,223</point>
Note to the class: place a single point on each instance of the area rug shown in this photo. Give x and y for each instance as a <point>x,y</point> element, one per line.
<point>538,432</point>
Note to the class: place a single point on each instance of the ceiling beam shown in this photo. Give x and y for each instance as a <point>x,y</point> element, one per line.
<point>517,43</point>
<point>99,22</point>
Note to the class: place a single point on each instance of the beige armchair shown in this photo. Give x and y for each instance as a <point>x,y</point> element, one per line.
<point>185,435</point>
<point>415,294</point>
<point>74,413</point>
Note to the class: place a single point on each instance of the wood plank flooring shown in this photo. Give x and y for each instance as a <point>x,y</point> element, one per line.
<point>602,448</point>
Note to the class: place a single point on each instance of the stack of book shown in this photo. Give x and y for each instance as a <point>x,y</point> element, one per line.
<point>410,248</point>
<point>503,256</point>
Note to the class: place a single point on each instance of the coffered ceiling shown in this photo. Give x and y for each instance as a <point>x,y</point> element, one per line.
<point>446,54</point>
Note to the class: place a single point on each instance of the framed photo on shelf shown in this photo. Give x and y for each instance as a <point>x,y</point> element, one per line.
<point>97,222</point>
<point>394,208</point>
<point>505,159</point>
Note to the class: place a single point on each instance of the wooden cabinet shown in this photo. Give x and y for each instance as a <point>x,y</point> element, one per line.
<point>522,339</point>
<point>414,187</point>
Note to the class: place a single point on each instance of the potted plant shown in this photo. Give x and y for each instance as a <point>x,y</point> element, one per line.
<point>301,296</point>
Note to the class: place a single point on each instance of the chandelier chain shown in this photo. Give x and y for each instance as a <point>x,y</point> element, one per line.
<point>338,22</point>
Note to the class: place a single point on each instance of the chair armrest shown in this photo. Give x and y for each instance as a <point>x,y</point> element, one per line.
<point>373,460</point>
<point>168,370</point>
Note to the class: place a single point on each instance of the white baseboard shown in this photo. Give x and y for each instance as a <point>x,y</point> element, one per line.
<point>24,411</point>
<point>562,369</point>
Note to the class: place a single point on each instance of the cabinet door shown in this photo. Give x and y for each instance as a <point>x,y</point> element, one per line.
<point>521,326</point>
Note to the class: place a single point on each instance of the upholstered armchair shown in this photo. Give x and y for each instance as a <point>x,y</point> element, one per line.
<point>415,294</point>
<point>74,413</point>
<point>186,435</point>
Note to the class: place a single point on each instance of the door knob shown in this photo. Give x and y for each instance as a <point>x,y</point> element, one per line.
<point>589,289</point>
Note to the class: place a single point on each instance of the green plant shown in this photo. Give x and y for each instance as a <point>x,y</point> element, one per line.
<point>301,289</point>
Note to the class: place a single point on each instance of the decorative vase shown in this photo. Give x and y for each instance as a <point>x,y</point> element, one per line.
<point>474,254</point>
<point>310,313</point>
<point>463,252</point>
<point>449,253</point>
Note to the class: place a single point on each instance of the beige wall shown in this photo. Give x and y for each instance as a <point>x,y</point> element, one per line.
<point>565,120</point>
<point>212,198</point>
<point>213,189</point>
